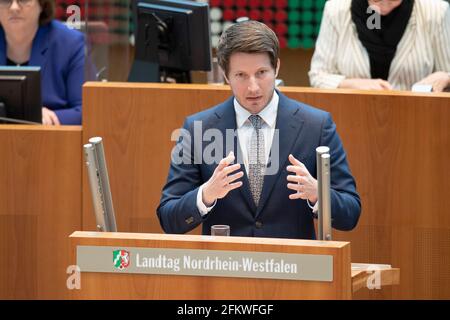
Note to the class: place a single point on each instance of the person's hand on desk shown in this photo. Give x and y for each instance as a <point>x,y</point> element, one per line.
<point>222,181</point>
<point>439,80</point>
<point>302,181</point>
<point>365,84</point>
<point>49,117</point>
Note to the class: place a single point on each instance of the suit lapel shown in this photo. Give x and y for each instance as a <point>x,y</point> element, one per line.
<point>288,127</point>
<point>362,68</point>
<point>40,48</point>
<point>405,46</point>
<point>226,119</point>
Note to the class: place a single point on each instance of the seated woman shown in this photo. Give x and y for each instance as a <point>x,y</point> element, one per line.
<point>30,37</point>
<point>410,45</point>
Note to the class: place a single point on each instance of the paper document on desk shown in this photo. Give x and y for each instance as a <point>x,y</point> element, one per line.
<point>422,88</point>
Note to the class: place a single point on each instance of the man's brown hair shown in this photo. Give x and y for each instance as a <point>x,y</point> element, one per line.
<point>247,37</point>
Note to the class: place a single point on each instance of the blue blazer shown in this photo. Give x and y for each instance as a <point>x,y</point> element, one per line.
<point>59,51</point>
<point>301,129</point>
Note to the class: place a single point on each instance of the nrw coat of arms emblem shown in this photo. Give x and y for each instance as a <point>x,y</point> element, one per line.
<point>121,259</point>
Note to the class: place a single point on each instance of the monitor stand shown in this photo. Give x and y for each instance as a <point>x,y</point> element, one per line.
<point>144,71</point>
<point>5,120</point>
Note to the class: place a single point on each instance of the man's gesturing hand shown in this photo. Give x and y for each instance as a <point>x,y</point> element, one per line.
<point>222,181</point>
<point>302,181</point>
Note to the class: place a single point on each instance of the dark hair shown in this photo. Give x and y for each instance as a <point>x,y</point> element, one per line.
<point>248,37</point>
<point>48,11</point>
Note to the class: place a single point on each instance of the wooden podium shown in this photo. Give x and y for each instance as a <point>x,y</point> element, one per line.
<point>116,284</point>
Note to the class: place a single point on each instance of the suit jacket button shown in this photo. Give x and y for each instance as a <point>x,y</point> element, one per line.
<point>258,224</point>
<point>189,220</point>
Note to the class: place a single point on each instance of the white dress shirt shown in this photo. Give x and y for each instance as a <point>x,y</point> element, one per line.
<point>245,128</point>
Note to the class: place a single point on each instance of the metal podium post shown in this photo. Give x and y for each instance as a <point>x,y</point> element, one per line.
<point>99,182</point>
<point>323,191</point>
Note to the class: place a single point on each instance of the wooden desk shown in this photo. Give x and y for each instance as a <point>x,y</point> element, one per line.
<point>40,206</point>
<point>388,276</point>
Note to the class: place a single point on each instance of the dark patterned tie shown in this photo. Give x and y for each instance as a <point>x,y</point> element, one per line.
<point>256,158</point>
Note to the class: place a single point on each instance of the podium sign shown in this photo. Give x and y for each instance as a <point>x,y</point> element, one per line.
<point>213,263</point>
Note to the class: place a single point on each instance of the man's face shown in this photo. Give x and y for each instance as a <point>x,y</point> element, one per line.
<point>252,79</point>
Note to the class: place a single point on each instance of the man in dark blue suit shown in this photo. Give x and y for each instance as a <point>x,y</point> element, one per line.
<point>250,162</point>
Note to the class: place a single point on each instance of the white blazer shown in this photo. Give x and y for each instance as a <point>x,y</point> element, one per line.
<point>423,49</point>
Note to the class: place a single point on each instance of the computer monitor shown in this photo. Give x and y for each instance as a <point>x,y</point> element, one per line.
<point>172,38</point>
<point>20,95</point>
